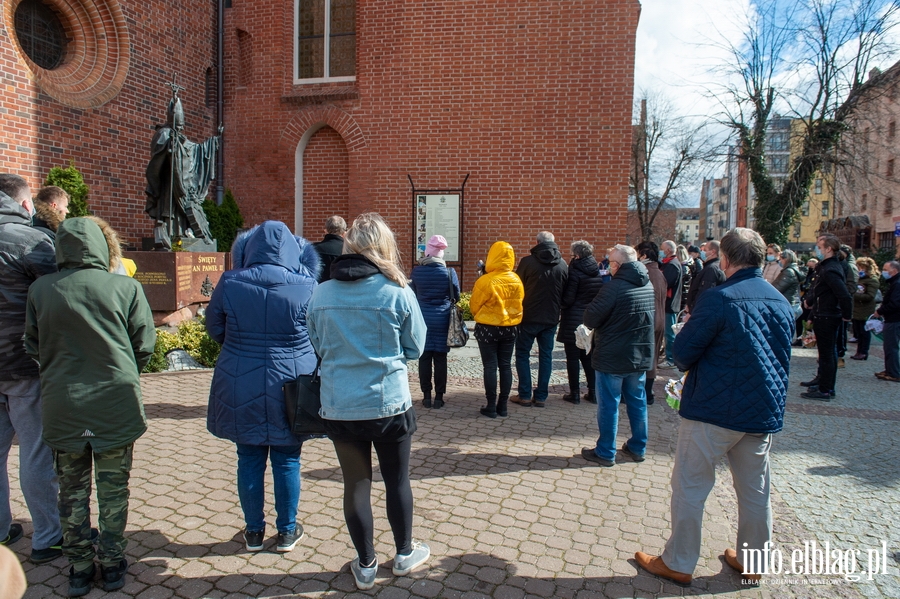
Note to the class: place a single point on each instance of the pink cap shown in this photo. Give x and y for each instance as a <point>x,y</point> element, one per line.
<point>436,246</point>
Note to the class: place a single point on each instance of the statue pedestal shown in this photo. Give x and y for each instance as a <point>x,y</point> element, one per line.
<point>174,280</point>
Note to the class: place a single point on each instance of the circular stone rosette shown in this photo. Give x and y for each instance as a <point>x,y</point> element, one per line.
<point>97,52</point>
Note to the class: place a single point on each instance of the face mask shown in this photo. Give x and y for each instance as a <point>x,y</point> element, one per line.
<point>820,254</point>
<point>703,256</point>
<point>862,273</point>
<point>885,274</point>
<point>770,258</point>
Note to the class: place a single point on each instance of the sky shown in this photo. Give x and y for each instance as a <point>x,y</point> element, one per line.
<point>675,49</point>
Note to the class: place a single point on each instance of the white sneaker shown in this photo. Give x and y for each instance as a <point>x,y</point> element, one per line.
<point>404,564</point>
<point>365,577</point>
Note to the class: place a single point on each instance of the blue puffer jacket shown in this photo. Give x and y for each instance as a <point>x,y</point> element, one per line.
<point>736,348</point>
<point>431,282</point>
<point>258,313</point>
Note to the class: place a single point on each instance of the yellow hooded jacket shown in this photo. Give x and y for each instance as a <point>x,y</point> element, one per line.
<point>498,294</point>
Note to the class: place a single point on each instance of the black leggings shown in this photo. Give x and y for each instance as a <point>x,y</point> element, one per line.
<point>356,463</point>
<point>440,371</point>
<point>575,356</point>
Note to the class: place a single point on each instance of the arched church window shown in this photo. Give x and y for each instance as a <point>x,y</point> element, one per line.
<point>40,33</point>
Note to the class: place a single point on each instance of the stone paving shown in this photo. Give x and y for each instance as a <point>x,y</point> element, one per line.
<point>509,509</point>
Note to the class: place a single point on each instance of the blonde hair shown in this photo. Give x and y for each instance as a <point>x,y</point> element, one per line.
<point>371,237</point>
<point>869,265</point>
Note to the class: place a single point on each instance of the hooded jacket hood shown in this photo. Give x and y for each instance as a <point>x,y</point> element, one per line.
<point>352,267</point>
<point>273,243</point>
<point>500,258</point>
<point>13,212</point>
<point>588,265</point>
<point>547,252</point>
<point>81,244</point>
<point>634,273</point>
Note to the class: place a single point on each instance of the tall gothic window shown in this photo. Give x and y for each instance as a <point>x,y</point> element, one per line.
<point>326,40</point>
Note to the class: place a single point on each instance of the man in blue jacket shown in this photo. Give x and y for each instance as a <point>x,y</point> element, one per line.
<point>736,347</point>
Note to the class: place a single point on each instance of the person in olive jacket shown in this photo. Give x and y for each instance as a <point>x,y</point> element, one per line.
<point>622,316</point>
<point>581,288</point>
<point>92,333</point>
<point>864,305</point>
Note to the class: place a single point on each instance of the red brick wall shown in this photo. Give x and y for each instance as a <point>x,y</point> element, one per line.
<point>532,99</point>
<point>326,181</point>
<point>110,143</point>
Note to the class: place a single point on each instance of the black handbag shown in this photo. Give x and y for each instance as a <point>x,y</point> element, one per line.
<point>457,332</point>
<point>302,404</point>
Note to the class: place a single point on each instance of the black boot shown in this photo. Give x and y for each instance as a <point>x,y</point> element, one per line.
<point>572,396</point>
<point>589,397</point>
<point>426,400</point>
<point>501,407</point>
<point>438,401</point>
<point>490,410</point>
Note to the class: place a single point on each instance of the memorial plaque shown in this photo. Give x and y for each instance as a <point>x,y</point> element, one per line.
<point>173,280</point>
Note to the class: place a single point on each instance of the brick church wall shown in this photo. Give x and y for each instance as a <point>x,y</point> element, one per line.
<point>109,143</point>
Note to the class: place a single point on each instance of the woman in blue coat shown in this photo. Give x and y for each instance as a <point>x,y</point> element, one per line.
<point>437,289</point>
<point>258,313</point>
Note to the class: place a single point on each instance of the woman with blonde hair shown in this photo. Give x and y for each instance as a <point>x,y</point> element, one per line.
<point>365,324</point>
<point>864,305</point>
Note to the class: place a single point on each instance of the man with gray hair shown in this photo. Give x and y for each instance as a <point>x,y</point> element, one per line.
<point>622,317</point>
<point>25,255</point>
<point>736,348</point>
<point>332,245</point>
<point>544,274</point>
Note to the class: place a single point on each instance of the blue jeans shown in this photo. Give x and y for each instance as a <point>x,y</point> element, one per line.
<point>891,335</point>
<point>610,390</point>
<point>251,486</point>
<point>20,414</point>
<point>671,318</point>
<point>544,335</point>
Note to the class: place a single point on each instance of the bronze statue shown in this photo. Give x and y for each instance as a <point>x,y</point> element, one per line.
<point>178,178</point>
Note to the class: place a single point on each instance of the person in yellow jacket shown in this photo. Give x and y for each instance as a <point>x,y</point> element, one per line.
<point>496,304</point>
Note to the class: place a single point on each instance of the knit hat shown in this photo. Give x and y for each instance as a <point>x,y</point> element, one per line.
<point>436,246</point>
<point>693,249</point>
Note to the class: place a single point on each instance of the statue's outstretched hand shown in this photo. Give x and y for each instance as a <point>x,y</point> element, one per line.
<point>221,129</point>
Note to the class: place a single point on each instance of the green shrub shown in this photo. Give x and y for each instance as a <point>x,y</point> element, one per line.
<point>224,220</point>
<point>191,336</point>
<point>70,179</point>
<point>463,303</point>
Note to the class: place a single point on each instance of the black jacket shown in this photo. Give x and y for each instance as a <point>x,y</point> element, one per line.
<point>581,288</point>
<point>673,273</point>
<point>711,276</point>
<point>329,248</point>
<point>622,318</point>
<point>828,296</point>
<point>544,275</point>
<point>890,306</point>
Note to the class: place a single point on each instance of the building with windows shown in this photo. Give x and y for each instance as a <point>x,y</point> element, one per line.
<point>687,226</point>
<point>340,107</point>
<point>867,182</point>
<point>713,218</point>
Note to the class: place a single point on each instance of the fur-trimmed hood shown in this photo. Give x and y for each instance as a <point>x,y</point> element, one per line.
<point>112,242</point>
<point>272,243</point>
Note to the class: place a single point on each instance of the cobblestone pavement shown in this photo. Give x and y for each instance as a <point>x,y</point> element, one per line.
<point>509,509</point>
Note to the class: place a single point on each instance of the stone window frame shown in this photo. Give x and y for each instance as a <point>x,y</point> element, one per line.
<point>326,53</point>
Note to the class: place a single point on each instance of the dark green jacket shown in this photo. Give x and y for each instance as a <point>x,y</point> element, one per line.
<point>92,333</point>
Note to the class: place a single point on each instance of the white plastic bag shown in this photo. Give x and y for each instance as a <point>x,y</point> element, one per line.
<point>583,337</point>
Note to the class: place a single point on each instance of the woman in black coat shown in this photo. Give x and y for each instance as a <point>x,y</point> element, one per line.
<point>581,287</point>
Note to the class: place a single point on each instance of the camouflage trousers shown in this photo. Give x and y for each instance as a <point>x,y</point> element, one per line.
<point>112,469</point>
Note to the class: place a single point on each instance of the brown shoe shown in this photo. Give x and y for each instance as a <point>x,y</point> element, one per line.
<point>732,560</point>
<point>887,377</point>
<point>881,374</point>
<point>520,400</point>
<point>657,567</point>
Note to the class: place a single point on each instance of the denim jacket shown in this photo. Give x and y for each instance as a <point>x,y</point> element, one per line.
<point>364,327</point>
